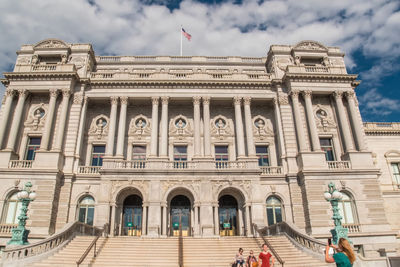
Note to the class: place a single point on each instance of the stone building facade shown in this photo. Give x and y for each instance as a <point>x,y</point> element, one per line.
<point>149,144</point>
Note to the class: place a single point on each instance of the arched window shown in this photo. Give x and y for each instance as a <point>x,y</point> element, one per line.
<point>274,210</point>
<point>12,209</point>
<point>347,209</point>
<point>86,210</point>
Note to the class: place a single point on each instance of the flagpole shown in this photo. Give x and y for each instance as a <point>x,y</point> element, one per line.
<point>181,39</point>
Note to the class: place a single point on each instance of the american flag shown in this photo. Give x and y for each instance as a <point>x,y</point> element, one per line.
<point>187,35</point>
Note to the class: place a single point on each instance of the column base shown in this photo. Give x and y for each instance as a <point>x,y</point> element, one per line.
<point>6,156</point>
<point>311,161</point>
<point>207,231</point>
<point>48,160</point>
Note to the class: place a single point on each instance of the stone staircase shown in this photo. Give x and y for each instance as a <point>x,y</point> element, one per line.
<point>197,252</point>
<point>291,255</point>
<point>68,255</point>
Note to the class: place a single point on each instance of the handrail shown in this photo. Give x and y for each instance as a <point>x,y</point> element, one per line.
<point>301,239</point>
<point>93,243</point>
<point>260,233</point>
<point>22,252</point>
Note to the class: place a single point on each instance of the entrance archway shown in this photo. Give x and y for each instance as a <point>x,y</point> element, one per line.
<point>132,216</point>
<point>228,216</point>
<point>180,216</point>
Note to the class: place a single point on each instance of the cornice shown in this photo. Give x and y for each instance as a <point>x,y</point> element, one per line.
<point>40,75</point>
<point>307,77</point>
<point>262,85</point>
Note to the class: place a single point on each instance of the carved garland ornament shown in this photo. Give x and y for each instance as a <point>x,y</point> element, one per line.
<point>262,127</point>
<point>323,118</point>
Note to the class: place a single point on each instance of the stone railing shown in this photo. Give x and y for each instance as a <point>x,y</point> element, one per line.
<point>20,164</point>
<point>89,169</point>
<point>339,165</point>
<point>384,128</point>
<point>50,243</point>
<point>6,228</point>
<point>316,69</point>
<point>125,164</point>
<point>231,164</point>
<point>262,234</point>
<point>271,170</point>
<point>352,227</point>
<point>301,240</point>
<point>111,59</point>
<point>45,68</point>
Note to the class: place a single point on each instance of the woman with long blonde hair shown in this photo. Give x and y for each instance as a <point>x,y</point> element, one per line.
<point>344,257</point>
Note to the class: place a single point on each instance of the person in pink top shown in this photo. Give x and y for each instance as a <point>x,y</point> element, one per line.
<point>265,257</point>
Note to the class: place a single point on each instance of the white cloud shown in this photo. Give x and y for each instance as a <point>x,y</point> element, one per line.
<point>374,103</point>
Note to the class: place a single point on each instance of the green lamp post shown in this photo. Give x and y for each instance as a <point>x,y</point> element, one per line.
<point>333,196</point>
<point>20,233</point>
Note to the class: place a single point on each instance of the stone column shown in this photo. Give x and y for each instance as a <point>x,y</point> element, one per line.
<point>216,220</point>
<point>6,114</point>
<point>248,226</point>
<point>81,129</point>
<point>121,127</point>
<point>196,119</point>
<point>239,221</point>
<point>154,127</point>
<point>144,220</point>
<point>298,121</point>
<point>344,126</point>
<point>44,144</point>
<point>206,119</point>
<point>17,119</point>
<point>111,129</point>
<point>112,223</point>
<point>164,220</point>
<point>196,220</point>
<point>63,119</point>
<point>164,127</point>
<point>311,121</point>
<point>239,126</point>
<point>251,150</point>
<point>278,120</point>
<point>355,121</point>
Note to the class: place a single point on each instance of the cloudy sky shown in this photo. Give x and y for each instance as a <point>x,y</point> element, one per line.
<point>367,30</point>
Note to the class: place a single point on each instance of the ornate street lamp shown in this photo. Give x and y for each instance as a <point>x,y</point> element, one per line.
<point>20,233</point>
<point>333,196</point>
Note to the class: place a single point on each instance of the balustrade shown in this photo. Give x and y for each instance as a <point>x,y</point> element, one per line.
<point>352,227</point>
<point>89,169</point>
<point>20,164</point>
<point>339,165</point>
<point>52,242</point>
<point>6,228</point>
<point>270,170</point>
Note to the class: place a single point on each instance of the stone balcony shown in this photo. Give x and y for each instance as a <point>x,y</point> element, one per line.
<point>315,69</point>
<point>181,166</point>
<point>45,68</point>
<point>20,164</point>
<point>339,165</point>
<point>5,229</point>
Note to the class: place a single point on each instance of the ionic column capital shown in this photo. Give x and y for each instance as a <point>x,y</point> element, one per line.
<point>114,100</point>
<point>164,100</point>
<point>246,100</point>
<point>350,95</point>
<point>237,100</point>
<point>124,100</point>
<point>53,92</point>
<point>22,93</point>
<point>338,94</point>
<point>206,100</point>
<point>307,93</point>
<point>196,100</point>
<point>155,100</point>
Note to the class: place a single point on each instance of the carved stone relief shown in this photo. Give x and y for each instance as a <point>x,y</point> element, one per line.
<point>324,118</point>
<point>221,127</point>
<point>139,126</point>
<point>36,117</point>
<point>180,127</point>
<point>99,126</point>
<point>262,127</point>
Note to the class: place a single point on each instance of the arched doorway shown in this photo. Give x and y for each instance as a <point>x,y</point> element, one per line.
<point>132,216</point>
<point>228,216</point>
<point>180,216</point>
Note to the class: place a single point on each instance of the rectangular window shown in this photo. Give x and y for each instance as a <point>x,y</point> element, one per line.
<point>327,147</point>
<point>180,157</point>
<point>98,155</point>
<point>396,172</point>
<point>221,153</point>
<point>262,155</point>
<point>33,145</point>
<point>139,152</point>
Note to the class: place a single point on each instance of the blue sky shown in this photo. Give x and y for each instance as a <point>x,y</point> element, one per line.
<point>368,31</point>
